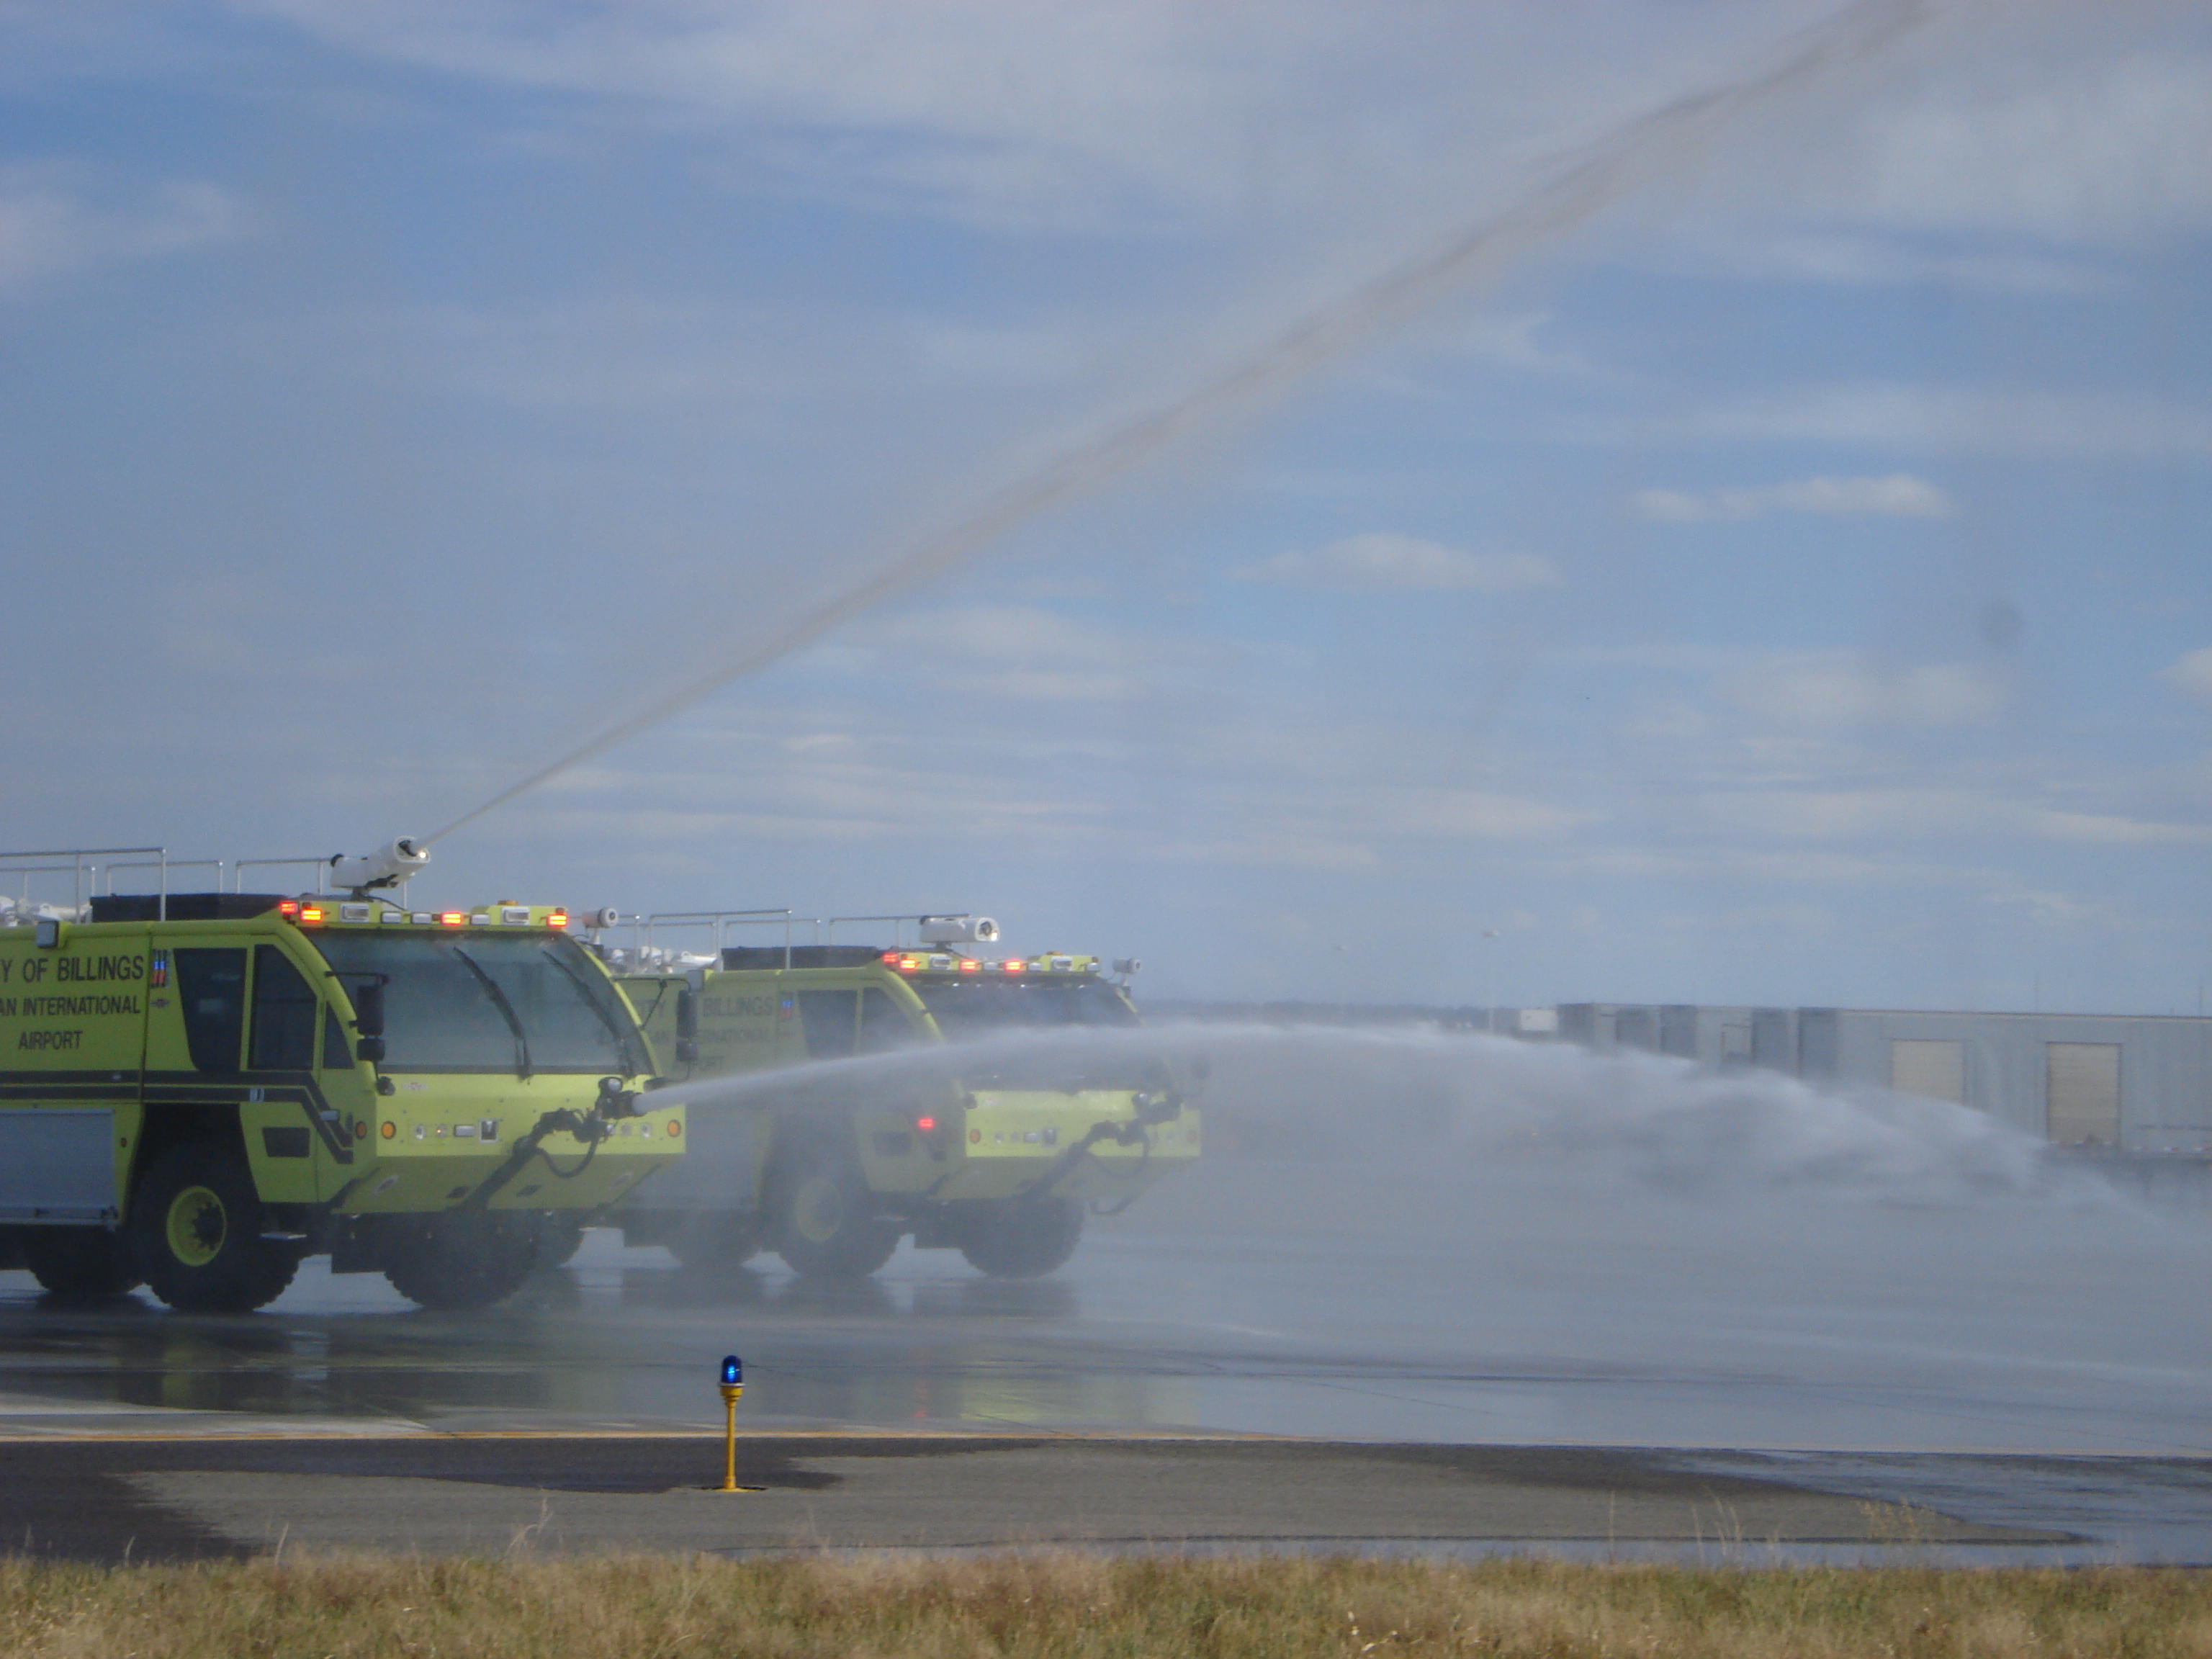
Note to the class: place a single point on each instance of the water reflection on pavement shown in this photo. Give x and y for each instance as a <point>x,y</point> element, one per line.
<point>1260,1300</point>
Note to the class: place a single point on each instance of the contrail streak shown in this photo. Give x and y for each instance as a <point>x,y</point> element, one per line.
<point>1583,183</point>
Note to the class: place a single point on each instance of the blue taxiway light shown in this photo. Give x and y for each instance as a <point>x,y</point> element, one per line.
<point>733,1371</point>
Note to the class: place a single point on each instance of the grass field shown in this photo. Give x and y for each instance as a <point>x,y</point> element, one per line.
<point>663,1608</point>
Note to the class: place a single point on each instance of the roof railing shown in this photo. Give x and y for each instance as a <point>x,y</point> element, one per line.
<point>84,869</point>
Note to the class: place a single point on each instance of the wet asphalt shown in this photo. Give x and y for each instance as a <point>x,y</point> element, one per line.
<point>1973,1380</point>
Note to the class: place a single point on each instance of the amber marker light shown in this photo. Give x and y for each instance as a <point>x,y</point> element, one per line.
<point>390,1129</point>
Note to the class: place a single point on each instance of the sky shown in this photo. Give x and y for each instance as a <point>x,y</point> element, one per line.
<point>1783,581</point>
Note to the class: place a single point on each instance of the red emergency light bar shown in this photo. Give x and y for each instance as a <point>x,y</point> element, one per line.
<point>452,918</point>
<point>558,918</point>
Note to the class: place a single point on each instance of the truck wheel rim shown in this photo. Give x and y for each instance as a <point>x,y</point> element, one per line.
<point>819,1211</point>
<point>196,1226</point>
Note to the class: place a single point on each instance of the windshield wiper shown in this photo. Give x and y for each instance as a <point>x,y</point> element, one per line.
<point>522,1066</point>
<point>629,1060</point>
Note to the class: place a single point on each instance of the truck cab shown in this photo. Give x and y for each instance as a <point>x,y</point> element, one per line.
<point>206,1088</point>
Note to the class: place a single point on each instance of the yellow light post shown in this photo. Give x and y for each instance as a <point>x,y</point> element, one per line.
<point>733,1384</point>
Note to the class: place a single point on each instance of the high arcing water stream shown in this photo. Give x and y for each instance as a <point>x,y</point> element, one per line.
<point>1578,186</point>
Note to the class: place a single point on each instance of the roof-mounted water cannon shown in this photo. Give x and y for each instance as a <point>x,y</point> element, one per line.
<point>958,930</point>
<point>398,862</point>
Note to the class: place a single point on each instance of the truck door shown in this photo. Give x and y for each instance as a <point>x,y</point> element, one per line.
<point>285,1114</point>
<point>211,1005</point>
<point>830,1022</point>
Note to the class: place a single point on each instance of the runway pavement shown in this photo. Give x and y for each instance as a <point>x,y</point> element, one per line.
<point>2000,1384</point>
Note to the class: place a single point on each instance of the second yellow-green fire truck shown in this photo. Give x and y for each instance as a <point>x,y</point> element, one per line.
<point>930,1126</point>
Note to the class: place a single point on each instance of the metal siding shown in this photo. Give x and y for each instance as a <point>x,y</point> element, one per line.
<point>1635,1028</point>
<point>1933,1067</point>
<point>1819,1043</point>
<point>2083,1092</point>
<point>1771,1044</point>
<point>57,1163</point>
<point>1678,1031</point>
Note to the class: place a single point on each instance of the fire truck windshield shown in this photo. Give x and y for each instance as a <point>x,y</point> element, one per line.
<point>968,1008</point>
<point>490,1002</point>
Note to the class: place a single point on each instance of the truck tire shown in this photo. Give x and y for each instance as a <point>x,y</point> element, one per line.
<point>717,1239</point>
<point>560,1236</point>
<point>1023,1237</point>
<point>825,1217</point>
<point>80,1264</point>
<point>456,1261</point>
<point>194,1232</point>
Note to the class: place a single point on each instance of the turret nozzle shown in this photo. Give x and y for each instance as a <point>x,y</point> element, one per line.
<point>404,858</point>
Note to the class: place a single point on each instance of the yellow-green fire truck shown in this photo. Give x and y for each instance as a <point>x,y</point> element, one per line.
<point>199,1090</point>
<point>997,1152</point>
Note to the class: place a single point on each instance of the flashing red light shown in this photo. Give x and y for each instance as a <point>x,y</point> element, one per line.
<point>311,912</point>
<point>452,918</point>
<point>909,964</point>
<point>289,908</point>
<point>927,1125</point>
<point>970,965</point>
<point>1016,966</point>
<point>558,918</point>
<point>890,958</point>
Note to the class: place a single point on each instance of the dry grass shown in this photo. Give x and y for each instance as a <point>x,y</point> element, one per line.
<point>663,1608</point>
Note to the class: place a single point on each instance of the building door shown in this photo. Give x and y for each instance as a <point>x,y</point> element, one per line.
<point>1936,1070</point>
<point>2085,1092</point>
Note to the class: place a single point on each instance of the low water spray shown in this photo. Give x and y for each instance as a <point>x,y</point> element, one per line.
<point>1498,1109</point>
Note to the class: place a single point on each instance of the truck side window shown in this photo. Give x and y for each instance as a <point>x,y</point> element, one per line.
<point>284,1014</point>
<point>884,1024</point>
<point>337,1053</point>
<point>211,992</point>
<point>830,1020</point>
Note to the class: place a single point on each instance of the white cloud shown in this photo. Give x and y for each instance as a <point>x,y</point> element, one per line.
<point>1978,420</point>
<point>1383,562</point>
<point>1817,690</point>
<point>2191,673</point>
<point>2109,149</point>
<point>1899,495</point>
<point>51,222</point>
<point>1866,259</point>
<point>2111,830</point>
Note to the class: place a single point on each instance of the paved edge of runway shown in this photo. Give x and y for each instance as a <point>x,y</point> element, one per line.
<point>196,1499</point>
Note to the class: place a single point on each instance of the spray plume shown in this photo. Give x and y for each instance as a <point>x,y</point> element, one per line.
<point>1658,144</point>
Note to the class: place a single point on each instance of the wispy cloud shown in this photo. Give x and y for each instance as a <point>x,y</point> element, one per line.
<point>2191,673</point>
<point>1382,562</point>
<point>56,218</point>
<point>1899,495</point>
<point>1833,689</point>
<point>1962,420</point>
